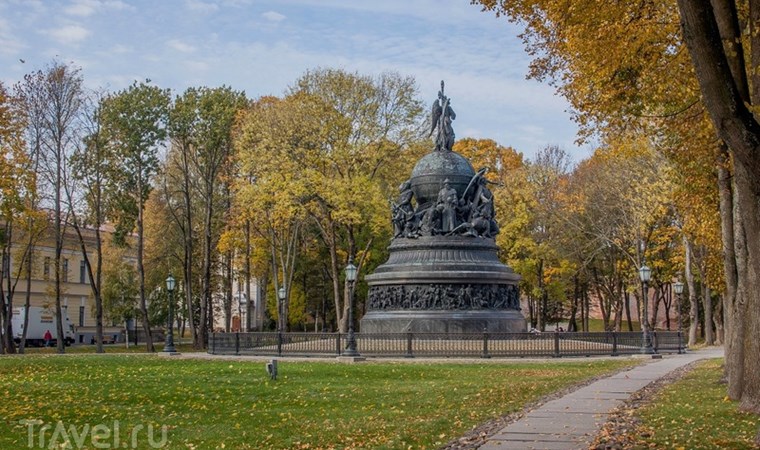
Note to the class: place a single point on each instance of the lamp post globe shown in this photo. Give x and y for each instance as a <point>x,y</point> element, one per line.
<point>678,289</point>
<point>169,344</point>
<point>645,274</point>
<point>281,294</point>
<point>351,278</point>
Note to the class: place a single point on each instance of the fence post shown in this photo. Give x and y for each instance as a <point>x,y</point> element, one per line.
<point>485,343</point>
<point>237,343</point>
<point>556,344</point>
<point>279,342</point>
<point>409,337</point>
<point>614,343</point>
<point>337,343</point>
<point>654,341</point>
<point>213,343</point>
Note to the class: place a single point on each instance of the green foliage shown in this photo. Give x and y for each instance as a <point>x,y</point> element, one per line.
<point>134,120</point>
<point>120,288</point>
<point>216,404</point>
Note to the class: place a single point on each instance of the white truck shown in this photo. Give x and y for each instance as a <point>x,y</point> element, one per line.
<point>40,321</point>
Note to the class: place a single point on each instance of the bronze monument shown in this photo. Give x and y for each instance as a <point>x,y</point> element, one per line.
<point>443,274</point>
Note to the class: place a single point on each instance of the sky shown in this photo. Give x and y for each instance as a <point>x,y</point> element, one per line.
<point>263,46</point>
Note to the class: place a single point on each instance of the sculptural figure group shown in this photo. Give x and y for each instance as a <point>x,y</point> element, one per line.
<point>444,297</point>
<point>472,214</point>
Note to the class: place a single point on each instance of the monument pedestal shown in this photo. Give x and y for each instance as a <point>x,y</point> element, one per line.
<point>443,284</point>
<point>454,322</point>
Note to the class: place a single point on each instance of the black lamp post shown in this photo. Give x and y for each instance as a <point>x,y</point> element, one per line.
<point>169,345</point>
<point>351,278</point>
<point>678,289</point>
<point>281,294</point>
<point>645,273</point>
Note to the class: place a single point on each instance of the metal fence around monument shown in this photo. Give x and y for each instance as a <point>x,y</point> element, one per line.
<point>445,345</point>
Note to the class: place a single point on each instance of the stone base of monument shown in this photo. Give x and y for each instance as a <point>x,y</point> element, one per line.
<point>454,322</point>
<point>443,284</point>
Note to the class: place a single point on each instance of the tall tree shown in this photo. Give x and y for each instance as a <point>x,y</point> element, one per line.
<point>377,121</point>
<point>55,98</point>
<point>134,120</point>
<point>725,55</point>
<point>89,164</point>
<point>16,179</point>
<point>273,134</point>
<point>645,79</point>
<point>200,128</point>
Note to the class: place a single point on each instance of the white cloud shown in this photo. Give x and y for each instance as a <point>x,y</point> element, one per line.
<point>85,8</point>
<point>178,45</point>
<point>201,7</point>
<point>69,34</point>
<point>273,16</point>
<point>82,8</point>
<point>196,66</point>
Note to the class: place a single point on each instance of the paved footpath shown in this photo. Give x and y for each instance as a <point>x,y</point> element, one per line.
<point>572,422</point>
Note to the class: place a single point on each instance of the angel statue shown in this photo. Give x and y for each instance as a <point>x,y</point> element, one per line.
<point>441,117</point>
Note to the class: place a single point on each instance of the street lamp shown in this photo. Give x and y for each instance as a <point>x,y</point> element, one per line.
<point>351,278</point>
<point>169,345</point>
<point>281,294</point>
<point>645,273</point>
<point>678,289</point>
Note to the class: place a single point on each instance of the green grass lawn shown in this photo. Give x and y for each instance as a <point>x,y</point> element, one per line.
<point>694,413</point>
<point>223,404</point>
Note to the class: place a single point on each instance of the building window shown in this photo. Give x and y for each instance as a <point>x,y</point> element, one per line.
<point>81,316</point>
<point>46,268</point>
<point>82,271</point>
<point>65,271</point>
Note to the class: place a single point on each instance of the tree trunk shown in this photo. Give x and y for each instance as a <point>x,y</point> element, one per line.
<point>730,306</point>
<point>718,322</point>
<point>27,302</point>
<point>571,324</point>
<point>249,322</point>
<point>707,302</point>
<point>206,321</point>
<point>586,307</point>
<point>749,279</point>
<point>541,313</point>
<point>693,302</point>
<point>655,311</point>
<point>736,125</point>
<point>141,268</point>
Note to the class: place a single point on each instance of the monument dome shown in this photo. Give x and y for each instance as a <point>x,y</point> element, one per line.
<point>435,168</point>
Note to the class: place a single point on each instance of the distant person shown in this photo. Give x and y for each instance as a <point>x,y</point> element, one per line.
<point>48,337</point>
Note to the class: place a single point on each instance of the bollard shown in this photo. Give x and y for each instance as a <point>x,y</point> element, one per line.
<point>272,369</point>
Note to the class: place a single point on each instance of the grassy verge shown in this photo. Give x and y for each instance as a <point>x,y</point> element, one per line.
<point>694,413</point>
<point>215,404</point>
